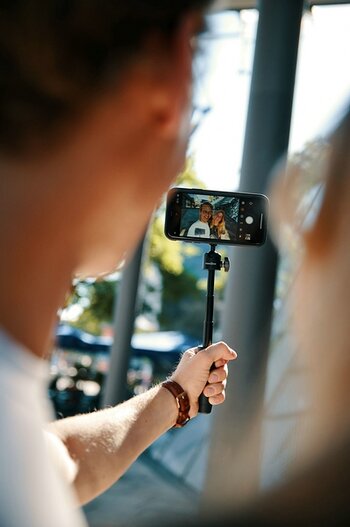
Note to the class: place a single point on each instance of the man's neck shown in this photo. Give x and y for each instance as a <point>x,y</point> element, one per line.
<point>29,304</point>
<point>35,271</point>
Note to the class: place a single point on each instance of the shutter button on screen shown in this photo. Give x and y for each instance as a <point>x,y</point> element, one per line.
<point>249,220</point>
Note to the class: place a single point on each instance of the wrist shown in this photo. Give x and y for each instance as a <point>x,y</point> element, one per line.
<point>181,399</point>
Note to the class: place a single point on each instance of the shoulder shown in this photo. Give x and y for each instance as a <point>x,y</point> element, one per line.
<point>193,226</point>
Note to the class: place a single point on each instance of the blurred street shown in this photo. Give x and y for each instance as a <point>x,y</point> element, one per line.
<point>145,493</point>
<point>164,483</point>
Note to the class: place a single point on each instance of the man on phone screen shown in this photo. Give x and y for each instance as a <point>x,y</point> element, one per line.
<point>200,228</point>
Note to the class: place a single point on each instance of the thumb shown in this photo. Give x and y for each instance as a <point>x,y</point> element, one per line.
<point>217,351</point>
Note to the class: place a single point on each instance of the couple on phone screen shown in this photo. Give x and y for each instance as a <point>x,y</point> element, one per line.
<point>210,224</point>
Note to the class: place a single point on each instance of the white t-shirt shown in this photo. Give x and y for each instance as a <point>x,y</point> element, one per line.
<point>199,229</point>
<point>32,493</point>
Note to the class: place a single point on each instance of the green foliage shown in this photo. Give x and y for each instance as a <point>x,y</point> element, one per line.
<point>182,299</point>
<point>163,252</point>
<point>167,254</point>
<point>96,298</point>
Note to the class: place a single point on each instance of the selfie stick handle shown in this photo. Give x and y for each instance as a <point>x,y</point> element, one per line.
<point>212,262</point>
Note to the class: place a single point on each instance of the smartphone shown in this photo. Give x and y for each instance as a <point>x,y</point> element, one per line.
<point>216,217</point>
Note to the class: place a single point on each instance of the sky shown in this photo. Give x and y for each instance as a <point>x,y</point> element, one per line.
<point>322,87</point>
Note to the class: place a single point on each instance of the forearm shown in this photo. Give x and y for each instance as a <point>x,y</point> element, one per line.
<point>104,444</point>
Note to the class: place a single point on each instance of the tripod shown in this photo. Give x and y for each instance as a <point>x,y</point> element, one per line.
<point>211,262</point>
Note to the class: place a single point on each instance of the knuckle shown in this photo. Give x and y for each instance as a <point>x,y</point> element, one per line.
<point>217,399</point>
<point>219,363</point>
<point>214,389</point>
<point>208,391</point>
<point>217,375</point>
<point>219,344</point>
<point>189,353</point>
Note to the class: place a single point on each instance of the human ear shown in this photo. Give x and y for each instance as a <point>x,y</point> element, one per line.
<point>171,103</point>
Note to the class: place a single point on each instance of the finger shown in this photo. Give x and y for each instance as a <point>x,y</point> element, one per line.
<point>220,374</point>
<point>219,350</point>
<point>211,390</point>
<point>220,362</point>
<point>191,352</point>
<point>217,399</point>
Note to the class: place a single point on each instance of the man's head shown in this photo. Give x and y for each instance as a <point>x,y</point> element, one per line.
<point>95,102</point>
<point>205,211</point>
<point>57,56</point>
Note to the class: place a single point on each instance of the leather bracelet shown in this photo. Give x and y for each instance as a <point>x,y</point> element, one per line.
<point>182,400</point>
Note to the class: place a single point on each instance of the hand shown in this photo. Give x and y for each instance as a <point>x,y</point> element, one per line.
<point>193,373</point>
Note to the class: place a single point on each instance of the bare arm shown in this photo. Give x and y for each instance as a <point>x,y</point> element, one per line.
<point>104,444</point>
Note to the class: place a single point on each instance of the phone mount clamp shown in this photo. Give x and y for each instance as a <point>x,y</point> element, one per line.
<point>212,262</point>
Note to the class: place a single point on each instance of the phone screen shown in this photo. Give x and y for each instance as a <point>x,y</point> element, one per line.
<point>209,216</point>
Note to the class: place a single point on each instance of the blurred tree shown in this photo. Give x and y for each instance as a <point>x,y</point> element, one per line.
<point>91,305</point>
<point>169,255</point>
<point>181,297</point>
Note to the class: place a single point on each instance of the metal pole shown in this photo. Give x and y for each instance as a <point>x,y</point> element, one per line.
<point>233,466</point>
<point>212,262</point>
<point>115,390</point>
<point>209,312</point>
